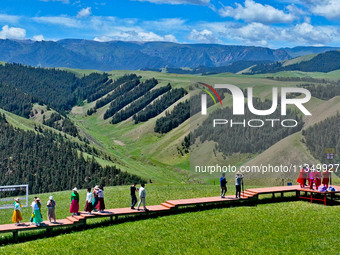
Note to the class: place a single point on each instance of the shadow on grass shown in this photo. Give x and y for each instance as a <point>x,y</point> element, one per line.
<point>103,222</point>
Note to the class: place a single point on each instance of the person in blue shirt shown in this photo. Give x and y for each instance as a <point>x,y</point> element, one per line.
<point>223,182</point>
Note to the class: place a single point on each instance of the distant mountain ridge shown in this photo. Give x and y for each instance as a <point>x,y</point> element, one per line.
<point>121,55</point>
<point>323,62</point>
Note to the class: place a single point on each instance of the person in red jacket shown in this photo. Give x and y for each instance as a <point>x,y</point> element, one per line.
<point>302,177</point>
<point>317,177</point>
<point>325,181</point>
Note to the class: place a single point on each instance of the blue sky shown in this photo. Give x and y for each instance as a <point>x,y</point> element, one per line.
<point>276,23</point>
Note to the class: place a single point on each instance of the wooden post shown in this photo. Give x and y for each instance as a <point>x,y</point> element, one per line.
<point>116,219</point>
<point>325,199</point>
<point>282,194</point>
<point>111,219</point>
<point>84,223</point>
<point>15,236</point>
<point>273,195</point>
<point>298,193</point>
<point>49,231</point>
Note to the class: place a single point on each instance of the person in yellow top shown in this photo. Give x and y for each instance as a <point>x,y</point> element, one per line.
<point>17,218</point>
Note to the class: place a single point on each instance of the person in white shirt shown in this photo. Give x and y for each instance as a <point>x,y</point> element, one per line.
<point>89,198</point>
<point>142,196</point>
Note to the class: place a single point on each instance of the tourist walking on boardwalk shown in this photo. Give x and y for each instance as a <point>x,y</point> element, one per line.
<point>37,218</point>
<point>101,205</point>
<point>142,196</point>
<point>17,218</point>
<point>95,198</point>
<point>74,209</point>
<point>238,183</point>
<point>51,210</point>
<point>325,180</point>
<point>223,182</point>
<point>32,206</point>
<point>133,190</point>
<point>88,203</point>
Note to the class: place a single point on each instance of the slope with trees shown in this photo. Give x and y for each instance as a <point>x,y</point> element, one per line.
<point>159,105</point>
<point>139,104</point>
<point>130,96</point>
<point>48,162</point>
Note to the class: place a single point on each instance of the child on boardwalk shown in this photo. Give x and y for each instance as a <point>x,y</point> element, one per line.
<point>17,218</point>
<point>74,209</point>
<point>88,203</point>
<point>51,210</point>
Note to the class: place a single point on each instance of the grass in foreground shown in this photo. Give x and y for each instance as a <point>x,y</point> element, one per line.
<point>283,228</point>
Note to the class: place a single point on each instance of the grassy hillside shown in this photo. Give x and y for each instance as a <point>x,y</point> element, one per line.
<point>298,60</point>
<point>284,228</point>
<point>138,148</point>
<point>322,62</point>
<point>141,151</point>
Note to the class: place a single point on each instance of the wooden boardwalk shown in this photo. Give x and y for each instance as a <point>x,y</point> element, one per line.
<point>172,205</point>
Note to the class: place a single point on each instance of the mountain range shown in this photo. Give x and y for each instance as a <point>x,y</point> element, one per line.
<point>119,55</point>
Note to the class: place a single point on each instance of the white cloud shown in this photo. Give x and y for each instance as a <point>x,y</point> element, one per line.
<point>329,9</point>
<point>205,36</point>
<point>258,34</point>
<point>12,32</point>
<point>63,1</point>
<point>135,36</point>
<point>264,35</point>
<point>308,34</point>
<point>255,32</point>
<point>59,20</point>
<point>296,11</point>
<point>326,8</point>
<point>9,18</point>
<point>170,38</point>
<point>256,12</point>
<point>169,24</point>
<point>194,2</point>
<point>38,38</point>
<point>84,13</point>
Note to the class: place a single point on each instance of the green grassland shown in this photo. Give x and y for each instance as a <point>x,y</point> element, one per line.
<point>283,228</point>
